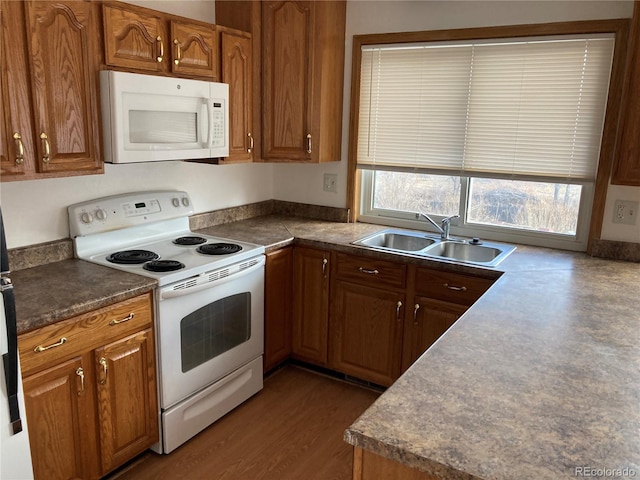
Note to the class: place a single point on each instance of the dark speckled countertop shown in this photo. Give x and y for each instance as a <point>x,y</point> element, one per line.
<point>59,290</point>
<point>539,378</point>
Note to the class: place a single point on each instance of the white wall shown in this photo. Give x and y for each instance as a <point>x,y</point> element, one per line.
<point>35,211</point>
<point>303,183</point>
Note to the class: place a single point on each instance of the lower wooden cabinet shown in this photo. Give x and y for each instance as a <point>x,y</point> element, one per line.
<point>60,413</point>
<point>363,316</point>
<point>369,466</point>
<point>277,307</point>
<point>310,305</point>
<point>90,390</point>
<point>428,320</point>
<point>126,393</point>
<point>366,332</point>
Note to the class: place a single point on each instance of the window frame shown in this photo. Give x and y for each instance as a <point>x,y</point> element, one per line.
<point>617,27</point>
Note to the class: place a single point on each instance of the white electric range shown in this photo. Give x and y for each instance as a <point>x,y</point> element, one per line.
<point>209,303</point>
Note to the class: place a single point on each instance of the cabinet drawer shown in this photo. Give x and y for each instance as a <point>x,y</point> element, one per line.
<point>450,287</point>
<point>41,347</point>
<point>370,271</point>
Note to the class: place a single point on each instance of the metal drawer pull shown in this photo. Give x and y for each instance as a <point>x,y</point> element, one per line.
<point>415,313</point>
<point>398,307</point>
<point>369,271</point>
<point>20,148</point>
<point>178,52</point>
<point>40,348</point>
<point>324,265</point>
<point>453,287</point>
<point>122,320</point>
<point>103,362</point>
<point>308,143</point>
<point>46,147</point>
<point>80,373</point>
<point>159,40</point>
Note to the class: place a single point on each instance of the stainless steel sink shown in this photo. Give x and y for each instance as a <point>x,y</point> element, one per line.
<point>417,243</point>
<point>397,240</point>
<point>485,253</point>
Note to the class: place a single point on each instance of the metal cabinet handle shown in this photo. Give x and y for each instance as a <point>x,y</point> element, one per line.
<point>398,307</point>
<point>46,147</point>
<point>368,271</point>
<point>103,362</point>
<point>80,373</point>
<point>454,287</point>
<point>415,313</point>
<point>324,266</point>
<point>178,51</point>
<point>250,149</point>
<point>122,320</point>
<point>40,348</point>
<point>20,148</point>
<point>159,41</point>
<point>308,143</point>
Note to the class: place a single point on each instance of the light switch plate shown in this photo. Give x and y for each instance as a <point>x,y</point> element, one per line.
<point>330,182</point>
<point>625,212</point>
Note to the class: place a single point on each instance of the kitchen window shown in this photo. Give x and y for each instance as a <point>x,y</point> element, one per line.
<point>504,132</point>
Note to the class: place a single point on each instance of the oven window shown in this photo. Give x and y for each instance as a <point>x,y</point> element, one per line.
<point>147,126</point>
<point>214,329</point>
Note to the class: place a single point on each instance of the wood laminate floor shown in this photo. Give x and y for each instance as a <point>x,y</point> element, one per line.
<point>291,430</point>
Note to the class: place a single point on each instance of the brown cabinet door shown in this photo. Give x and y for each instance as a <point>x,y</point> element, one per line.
<point>427,320</point>
<point>16,132</point>
<point>237,71</point>
<point>126,392</point>
<point>193,50</point>
<point>63,64</point>
<point>278,308</point>
<point>59,406</point>
<point>286,60</point>
<point>310,305</point>
<point>134,40</point>
<point>366,332</point>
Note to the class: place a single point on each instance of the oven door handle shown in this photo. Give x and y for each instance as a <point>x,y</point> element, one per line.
<point>173,292</point>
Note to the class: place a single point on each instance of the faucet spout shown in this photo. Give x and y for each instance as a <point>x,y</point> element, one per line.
<point>446,224</point>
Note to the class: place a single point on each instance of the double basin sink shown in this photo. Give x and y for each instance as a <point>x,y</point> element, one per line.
<point>418,243</point>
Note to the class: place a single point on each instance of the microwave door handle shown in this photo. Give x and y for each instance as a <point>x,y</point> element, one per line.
<point>209,102</point>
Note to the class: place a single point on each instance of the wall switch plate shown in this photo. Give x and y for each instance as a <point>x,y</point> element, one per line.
<point>625,212</point>
<point>330,182</point>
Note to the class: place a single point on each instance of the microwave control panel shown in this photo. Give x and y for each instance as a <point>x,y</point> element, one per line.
<point>217,126</point>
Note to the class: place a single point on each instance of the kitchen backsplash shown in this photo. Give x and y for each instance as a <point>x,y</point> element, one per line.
<point>55,251</point>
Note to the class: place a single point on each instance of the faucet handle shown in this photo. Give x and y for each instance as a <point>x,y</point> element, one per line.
<point>448,219</point>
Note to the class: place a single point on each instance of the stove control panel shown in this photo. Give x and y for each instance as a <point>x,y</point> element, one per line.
<point>127,210</point>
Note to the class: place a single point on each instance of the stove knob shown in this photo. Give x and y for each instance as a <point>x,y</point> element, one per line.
<point>101,214</point>
<point>86,217</point>
<point>176,202</point>
<point>185,201</point>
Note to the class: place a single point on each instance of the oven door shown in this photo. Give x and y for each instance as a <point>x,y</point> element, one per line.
<point>207,327</point>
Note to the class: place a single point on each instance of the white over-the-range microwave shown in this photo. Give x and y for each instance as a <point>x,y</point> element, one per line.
<point>148,118</point>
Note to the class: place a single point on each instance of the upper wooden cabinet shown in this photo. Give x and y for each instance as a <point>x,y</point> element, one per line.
<point>236,69</point>
<point>49,87</point>
<point>137,38</point>
<point>626,169</point>
<point>298,96</point>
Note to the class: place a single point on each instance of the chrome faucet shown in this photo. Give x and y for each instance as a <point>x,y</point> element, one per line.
<point>446,224</point>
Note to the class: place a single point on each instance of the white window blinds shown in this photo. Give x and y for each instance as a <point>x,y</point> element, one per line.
<point>503,109</point>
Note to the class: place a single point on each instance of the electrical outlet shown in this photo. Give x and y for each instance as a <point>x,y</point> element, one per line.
<point>330,182</point>
<point>625,212</point>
